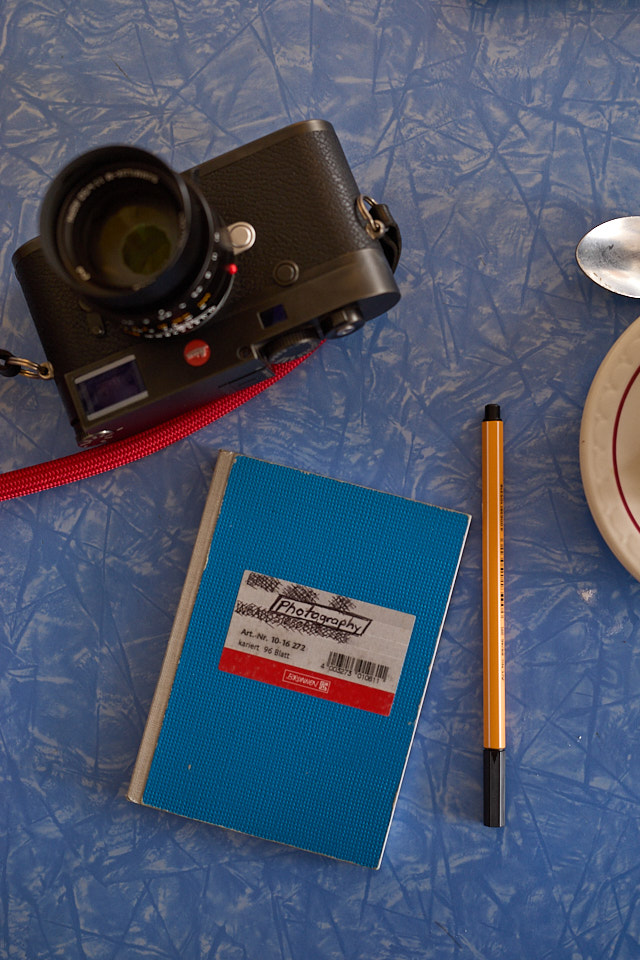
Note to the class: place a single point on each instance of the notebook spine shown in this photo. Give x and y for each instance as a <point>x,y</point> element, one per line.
<point>210,515</point>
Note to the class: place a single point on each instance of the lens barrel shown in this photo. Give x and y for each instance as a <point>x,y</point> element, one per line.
<point>137,241</point>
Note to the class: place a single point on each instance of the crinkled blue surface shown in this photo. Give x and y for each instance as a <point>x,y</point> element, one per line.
<point>498,132</point>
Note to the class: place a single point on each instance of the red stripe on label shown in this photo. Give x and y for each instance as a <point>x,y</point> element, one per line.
<point>330,687</point>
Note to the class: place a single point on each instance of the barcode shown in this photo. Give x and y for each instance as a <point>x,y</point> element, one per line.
<point>364,669</point>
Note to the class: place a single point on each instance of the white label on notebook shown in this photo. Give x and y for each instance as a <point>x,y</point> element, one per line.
<point>319,643</point>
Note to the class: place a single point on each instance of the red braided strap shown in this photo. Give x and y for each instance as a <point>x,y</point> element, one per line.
<point>88,463</point>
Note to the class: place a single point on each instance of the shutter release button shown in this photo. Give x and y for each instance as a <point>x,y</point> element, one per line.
<point>242,236</point>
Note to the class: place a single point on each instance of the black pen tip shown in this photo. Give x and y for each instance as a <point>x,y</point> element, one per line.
<point>492,411</point>
<point>493,787</point>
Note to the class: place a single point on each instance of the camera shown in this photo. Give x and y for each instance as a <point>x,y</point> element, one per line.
<point>154,292</point>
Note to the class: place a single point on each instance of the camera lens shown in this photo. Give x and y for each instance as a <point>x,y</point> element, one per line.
<point>137,241</point>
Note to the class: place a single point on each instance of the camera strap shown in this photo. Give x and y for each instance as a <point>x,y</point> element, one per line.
<point>89,463</point>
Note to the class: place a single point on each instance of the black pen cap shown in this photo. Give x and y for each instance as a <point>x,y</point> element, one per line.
<point>492,411</point>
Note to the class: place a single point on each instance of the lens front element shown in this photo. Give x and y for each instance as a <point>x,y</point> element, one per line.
<point>134,245</point>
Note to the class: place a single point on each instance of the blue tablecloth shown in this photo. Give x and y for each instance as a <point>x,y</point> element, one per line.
<point>498,133</point>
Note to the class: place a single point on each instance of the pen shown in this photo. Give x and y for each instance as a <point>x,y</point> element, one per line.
<point>493,616</point>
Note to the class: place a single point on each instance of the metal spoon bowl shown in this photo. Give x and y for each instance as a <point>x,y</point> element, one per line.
<point>610,255</point>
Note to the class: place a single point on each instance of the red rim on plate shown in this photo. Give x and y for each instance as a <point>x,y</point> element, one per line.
<point>605,472</point>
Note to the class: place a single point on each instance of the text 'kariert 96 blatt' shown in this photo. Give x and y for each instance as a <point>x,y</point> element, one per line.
<point>154,292</point>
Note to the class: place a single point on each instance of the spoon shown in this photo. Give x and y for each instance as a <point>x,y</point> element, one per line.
<point>610,255</point>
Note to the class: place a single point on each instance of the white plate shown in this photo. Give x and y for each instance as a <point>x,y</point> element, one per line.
<point>610,448</point>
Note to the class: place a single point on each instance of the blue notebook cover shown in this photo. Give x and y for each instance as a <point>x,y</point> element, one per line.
<point>299,659</point>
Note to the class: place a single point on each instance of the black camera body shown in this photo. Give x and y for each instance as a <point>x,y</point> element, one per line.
<point>289,260</point>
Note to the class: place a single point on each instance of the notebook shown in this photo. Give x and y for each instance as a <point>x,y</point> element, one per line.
<point>299,659</point>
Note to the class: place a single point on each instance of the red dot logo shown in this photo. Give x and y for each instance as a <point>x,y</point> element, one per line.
<point>197,352</point>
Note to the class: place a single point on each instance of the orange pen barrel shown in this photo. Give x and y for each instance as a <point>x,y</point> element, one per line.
<point>493,614</point>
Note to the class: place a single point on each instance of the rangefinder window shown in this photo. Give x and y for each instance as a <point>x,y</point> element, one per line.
<point>273,315</point>
<point>110,388</point>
